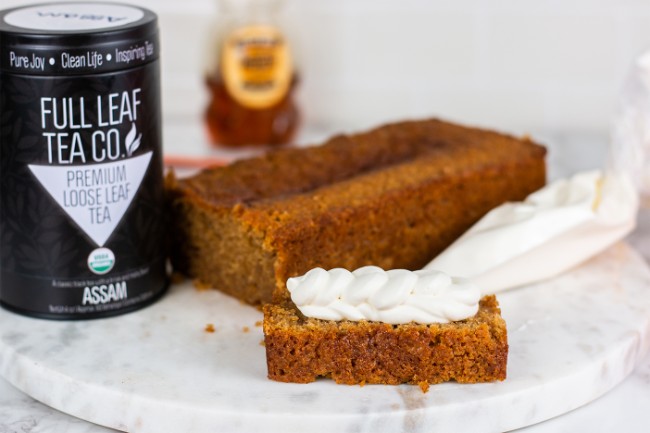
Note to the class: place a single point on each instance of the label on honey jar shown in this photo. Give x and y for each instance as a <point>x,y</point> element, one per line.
<point>256,66</point>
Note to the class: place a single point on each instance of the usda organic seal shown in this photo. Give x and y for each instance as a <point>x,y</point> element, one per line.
<point>101,261</point>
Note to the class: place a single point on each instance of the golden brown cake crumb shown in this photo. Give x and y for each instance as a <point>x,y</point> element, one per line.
<point>300,349</point>
<point>246,329</point>
<point>209,328</point>
<point>200,285</point>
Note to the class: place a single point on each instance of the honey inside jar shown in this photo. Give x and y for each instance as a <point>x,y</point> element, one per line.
<point>231,123</point>
<point>252,78</point>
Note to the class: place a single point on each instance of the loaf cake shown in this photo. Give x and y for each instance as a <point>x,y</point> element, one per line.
<point>393,197</point>
<point>300,349</point>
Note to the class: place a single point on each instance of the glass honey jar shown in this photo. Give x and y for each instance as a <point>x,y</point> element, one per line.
<point>251,78</point>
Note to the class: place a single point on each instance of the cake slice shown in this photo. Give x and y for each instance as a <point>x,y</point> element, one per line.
<point>393,197</point>
<point>301,349</point>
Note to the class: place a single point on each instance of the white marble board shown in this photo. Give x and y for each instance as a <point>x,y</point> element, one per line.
<point>571,340</point>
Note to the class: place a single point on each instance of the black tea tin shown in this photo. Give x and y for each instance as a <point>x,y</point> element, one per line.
<point>81,177</point>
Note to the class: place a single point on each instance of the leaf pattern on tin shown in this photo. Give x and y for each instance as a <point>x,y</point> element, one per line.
<point>131,143</point>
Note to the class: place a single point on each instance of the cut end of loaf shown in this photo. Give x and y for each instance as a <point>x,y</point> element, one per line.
<point>301,350</point>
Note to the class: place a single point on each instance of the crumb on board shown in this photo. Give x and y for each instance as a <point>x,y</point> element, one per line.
<point>258,323</point>
<point>200,285</point>
<point>424,386</point>
<point>262,343</point>
<point>209,328</point>
<point>245,329</point>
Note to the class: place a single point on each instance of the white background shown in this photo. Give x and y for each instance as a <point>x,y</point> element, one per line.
<point>552,66</point>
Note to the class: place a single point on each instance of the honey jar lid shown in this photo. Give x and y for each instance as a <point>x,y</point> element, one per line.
<point>76,38</point>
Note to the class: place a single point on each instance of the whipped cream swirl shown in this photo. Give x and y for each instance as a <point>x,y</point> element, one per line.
<point>395,296</point>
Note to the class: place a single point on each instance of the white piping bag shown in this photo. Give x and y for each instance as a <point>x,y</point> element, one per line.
<point>553,230</point>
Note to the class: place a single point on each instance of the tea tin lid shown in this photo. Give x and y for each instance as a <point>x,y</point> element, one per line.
<point>71,38</point>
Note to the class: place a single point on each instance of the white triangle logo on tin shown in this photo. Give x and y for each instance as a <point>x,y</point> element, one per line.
<point>94,196</point>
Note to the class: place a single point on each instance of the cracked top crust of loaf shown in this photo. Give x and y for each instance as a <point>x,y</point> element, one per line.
<point>345,157</point>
